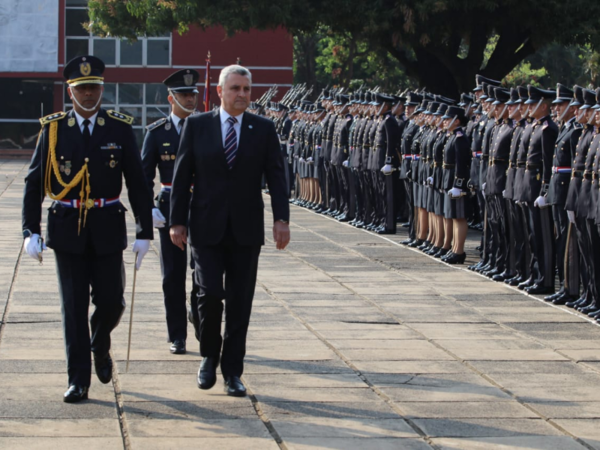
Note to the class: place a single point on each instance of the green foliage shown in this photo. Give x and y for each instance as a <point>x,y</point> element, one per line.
<point>523,75</point>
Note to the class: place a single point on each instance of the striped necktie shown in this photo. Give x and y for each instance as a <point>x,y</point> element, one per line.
<point>231,142</point>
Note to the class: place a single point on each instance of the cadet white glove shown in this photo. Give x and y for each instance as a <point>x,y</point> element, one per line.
<point>504,193</point>
<point>345,163</point>
<point>31,246</point>
<point>540,202</point>
<point>454,193</point>
<point>301,159</point>
<point>141,247</point>
<point>483,186</point>
<point>429,180</point>
<point>387,169</point>
<point>571,216</point>
<point>309,160</point>
<point>158,220</point>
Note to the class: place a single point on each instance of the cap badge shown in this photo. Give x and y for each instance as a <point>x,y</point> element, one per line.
<point>188,79</point>
<point>85,68</point>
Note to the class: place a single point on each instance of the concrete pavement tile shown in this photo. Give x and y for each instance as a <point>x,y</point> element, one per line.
<point>394,354</point>
<point>447,393</point>
<point>509,443</point>
<point>291,353</point>
<point>476,354</point>
<point>528,367</point>
<point>27,349</point>
<point>192,443</point>
<point>586,429</point>
<point>279,335</point>
<point>57,409</point>
<point>582,355</point>
<point>264,382</point>
<point>485,427</point>
<point>46,387</point>
<point>465,410</point>
<point>179,366</point>
<point>265,366</point>
<point>553,331</point>
<point>568,410</point>
<point>463,331</point>
<point>64,443</point>
<point>412,344</point>
<point>357,327</point>
<point>60,428</point>
<point>283,394</point>
<point>489,344</point>
<point>159,387</point>
<point>33,366</point>
<point>206,428</point>
<point>574,344</point>
<point>189,410</point>
<point>411,367</point>
<point>357,443</point>
<point>320,427</point>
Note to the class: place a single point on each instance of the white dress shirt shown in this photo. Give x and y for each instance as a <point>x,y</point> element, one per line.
<point>176,120</point>
<point>225,125</point>
<point>81,119</point>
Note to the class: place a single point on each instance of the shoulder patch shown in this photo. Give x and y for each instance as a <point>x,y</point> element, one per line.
<point>545,124</point>
<point>459,134</point>
<point>156,124</point>
<point>119,116</point>
<point>53,117</point>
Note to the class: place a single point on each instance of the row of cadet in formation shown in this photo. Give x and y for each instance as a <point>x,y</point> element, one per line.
<point>521,164</point>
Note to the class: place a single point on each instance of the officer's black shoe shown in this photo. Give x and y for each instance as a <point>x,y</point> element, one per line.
<point>424,245</point>
<point>234,387</point>
<point>474,266</point>
<point>447,255</point>
<point>442,252</point>
<point>563,299</point>
<point>103,366</point>
<point>384,231</point>
<point>416,243</point>
<point>552,297</point>
<point>75,394</point>
<point>360,224</point>
<point>456,259</point>
<point>582,305</point>
<point>589,309</point>
<point>478,248</point>
<point>527,283</point>
<point>493,271</point>
<point>503,276</point>
<point>537,290</point>
<point>207,374</point>
<point>576,302</point>
<point>178,347</point>
<point>406,241</point>
<point>343,218</point>
<point>352,222</point>
<point>594,314</point>
<point>405,225</point>
<point>485,268</point>
<point>334,213</point>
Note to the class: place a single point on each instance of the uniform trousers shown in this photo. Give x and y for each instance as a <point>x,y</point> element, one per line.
<point>77,273</point>
<point>225,271</point>
<point>343,189</point>
<point>390,185</point>
<point>410,207</point>
<point>541,241</point>
<point>561,228</point>
<point>358,195</point>
<point>352,205</point>
<point>499,230</point>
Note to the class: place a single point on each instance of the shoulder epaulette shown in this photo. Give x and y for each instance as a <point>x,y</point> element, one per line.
<point>53,117</point>
<point>156,124</point>
<point>119,116</point>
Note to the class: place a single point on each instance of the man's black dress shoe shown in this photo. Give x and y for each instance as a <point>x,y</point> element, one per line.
<point>576,302</point>
<point>178,347</point>
<point>563,299</point>
<point>207,374</point>
<point>384,231</point>
<point>527,283</point>
<point>537,290</point>
<point>552,297</point>
<point>234,387</point>
<point>407,241</point>
<point>103,366</point>
<point>75,394</point>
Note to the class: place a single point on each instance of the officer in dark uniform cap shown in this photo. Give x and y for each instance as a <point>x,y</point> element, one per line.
<point>536,181</point>
<point>159,150</point>
<point>79,162</point>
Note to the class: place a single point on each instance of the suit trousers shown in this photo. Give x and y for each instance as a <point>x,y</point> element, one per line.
<point>561,226</point>
<point>105,274</point>
<point>237,266</point>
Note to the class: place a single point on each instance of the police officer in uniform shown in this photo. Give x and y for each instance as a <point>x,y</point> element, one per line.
<point>159,150</point>
<point>79,162</point>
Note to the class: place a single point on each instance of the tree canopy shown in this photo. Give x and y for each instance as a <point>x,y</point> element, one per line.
<point>440,43</point>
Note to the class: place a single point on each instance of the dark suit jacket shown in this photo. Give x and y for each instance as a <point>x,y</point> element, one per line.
<point>222,197</point>
<point>113,155</point>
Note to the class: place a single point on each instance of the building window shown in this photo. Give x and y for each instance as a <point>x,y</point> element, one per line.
<point>146,103</point>
<point>145,52</point>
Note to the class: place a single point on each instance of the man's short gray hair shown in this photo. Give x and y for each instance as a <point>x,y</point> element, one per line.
<point>234,68</point>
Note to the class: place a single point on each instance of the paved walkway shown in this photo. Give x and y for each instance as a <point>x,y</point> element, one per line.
<point>355,343</point>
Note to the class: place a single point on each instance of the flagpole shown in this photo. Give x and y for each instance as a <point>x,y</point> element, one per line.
<point>207,85</point>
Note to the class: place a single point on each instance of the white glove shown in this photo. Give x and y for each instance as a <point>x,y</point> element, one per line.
<point>483,186</point>
<point>571,216</point>
<point>31,246</point>
<point>309,160</point>
<point>141,247</point>
<point>504,193</point>
<point>387,169</point>
<point>483,192</point>
<point>540,202</point>
<point>454,193</point>
<point>158,220</point>
<point>429,180</point>
<point>345,163</point>
<point>301,159</point>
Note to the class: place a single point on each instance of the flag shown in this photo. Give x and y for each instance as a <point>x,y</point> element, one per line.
<point>207,85</point>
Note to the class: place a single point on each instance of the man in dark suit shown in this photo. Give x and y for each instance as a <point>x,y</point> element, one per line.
<point>159,150</point>
<point>79,162</point>
<point>225,154</point>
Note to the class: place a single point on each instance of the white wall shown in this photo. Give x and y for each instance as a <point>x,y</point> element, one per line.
<point>28,35</point>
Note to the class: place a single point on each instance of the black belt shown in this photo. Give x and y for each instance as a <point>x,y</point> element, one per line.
<point>533,166</point>
<point>448,166</point>
<point>577,173</point>
<point>499,161</point>
<point>520,164</point>
<point>587,175</point>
